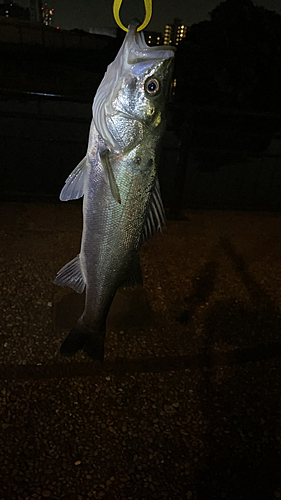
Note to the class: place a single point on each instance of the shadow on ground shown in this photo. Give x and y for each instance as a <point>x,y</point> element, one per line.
<point>243,409</point>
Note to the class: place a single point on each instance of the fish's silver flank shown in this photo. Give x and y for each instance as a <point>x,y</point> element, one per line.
<point>118,178</point>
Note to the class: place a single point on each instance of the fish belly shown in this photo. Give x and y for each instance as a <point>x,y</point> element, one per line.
<point>111,232</point>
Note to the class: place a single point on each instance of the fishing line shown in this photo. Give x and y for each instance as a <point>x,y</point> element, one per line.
<point>148,13</point>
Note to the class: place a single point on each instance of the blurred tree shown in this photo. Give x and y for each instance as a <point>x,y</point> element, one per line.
<point>227,100</point>
<point>232,60</point>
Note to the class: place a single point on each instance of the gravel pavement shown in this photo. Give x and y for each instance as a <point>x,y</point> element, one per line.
<point>187,402</point>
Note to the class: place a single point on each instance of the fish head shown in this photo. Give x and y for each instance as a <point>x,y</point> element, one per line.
<point>131,99</point>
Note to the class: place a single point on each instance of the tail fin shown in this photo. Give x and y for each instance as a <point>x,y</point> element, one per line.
<point>82,337</point>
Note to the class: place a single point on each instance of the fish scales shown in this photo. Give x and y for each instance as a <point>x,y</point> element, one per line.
<point>120,226</point>
<point>118,179</point>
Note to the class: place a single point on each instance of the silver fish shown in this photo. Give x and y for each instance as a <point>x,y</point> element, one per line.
<point>118,178</point>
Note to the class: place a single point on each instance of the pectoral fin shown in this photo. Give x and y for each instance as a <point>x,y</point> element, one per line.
<point>104,157</point>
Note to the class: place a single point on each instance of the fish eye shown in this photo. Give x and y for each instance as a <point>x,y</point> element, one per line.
<point>152,86</point>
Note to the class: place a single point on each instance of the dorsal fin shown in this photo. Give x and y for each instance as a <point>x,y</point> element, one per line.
<point>155,218</point>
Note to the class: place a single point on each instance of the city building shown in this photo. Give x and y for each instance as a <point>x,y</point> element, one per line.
<point>168,34</point>
<point>174,33</point>
<point>153,38</point>
<point>13,10</point>
<point>104,31</point>
<point>35,9</point>
<point>47,15</point>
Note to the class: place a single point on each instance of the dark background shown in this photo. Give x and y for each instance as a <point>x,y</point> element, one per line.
<point>222,146</point>
<point>70,14</point>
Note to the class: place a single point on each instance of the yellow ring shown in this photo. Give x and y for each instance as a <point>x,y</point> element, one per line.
<point>148,13</point>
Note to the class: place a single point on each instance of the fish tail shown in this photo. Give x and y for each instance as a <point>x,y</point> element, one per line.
<point>91,340</point>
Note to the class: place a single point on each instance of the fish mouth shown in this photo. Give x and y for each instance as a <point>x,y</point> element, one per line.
<point>139,50</point>
<point>139,38</point>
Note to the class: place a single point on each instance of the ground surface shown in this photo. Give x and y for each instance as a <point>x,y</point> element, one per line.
<point>187,402</point>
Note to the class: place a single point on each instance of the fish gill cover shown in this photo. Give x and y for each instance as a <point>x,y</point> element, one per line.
<point>134,57</point>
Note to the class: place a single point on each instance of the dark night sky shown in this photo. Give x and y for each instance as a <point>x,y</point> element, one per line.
<point>83,14</point>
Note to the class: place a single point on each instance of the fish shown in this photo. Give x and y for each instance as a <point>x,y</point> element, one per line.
<point>122,205</point>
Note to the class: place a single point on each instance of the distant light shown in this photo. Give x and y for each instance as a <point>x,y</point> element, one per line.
<point>53,10</point>
<point>40,93</point>
<point>58,27</point>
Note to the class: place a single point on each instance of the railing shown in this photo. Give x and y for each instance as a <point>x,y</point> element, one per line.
<point>214,159</point>
<point>23,32</point>
<point>43,137</point>
<point>223,158</point>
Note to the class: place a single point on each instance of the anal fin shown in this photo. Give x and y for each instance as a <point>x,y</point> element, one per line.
<point>74,184</point>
